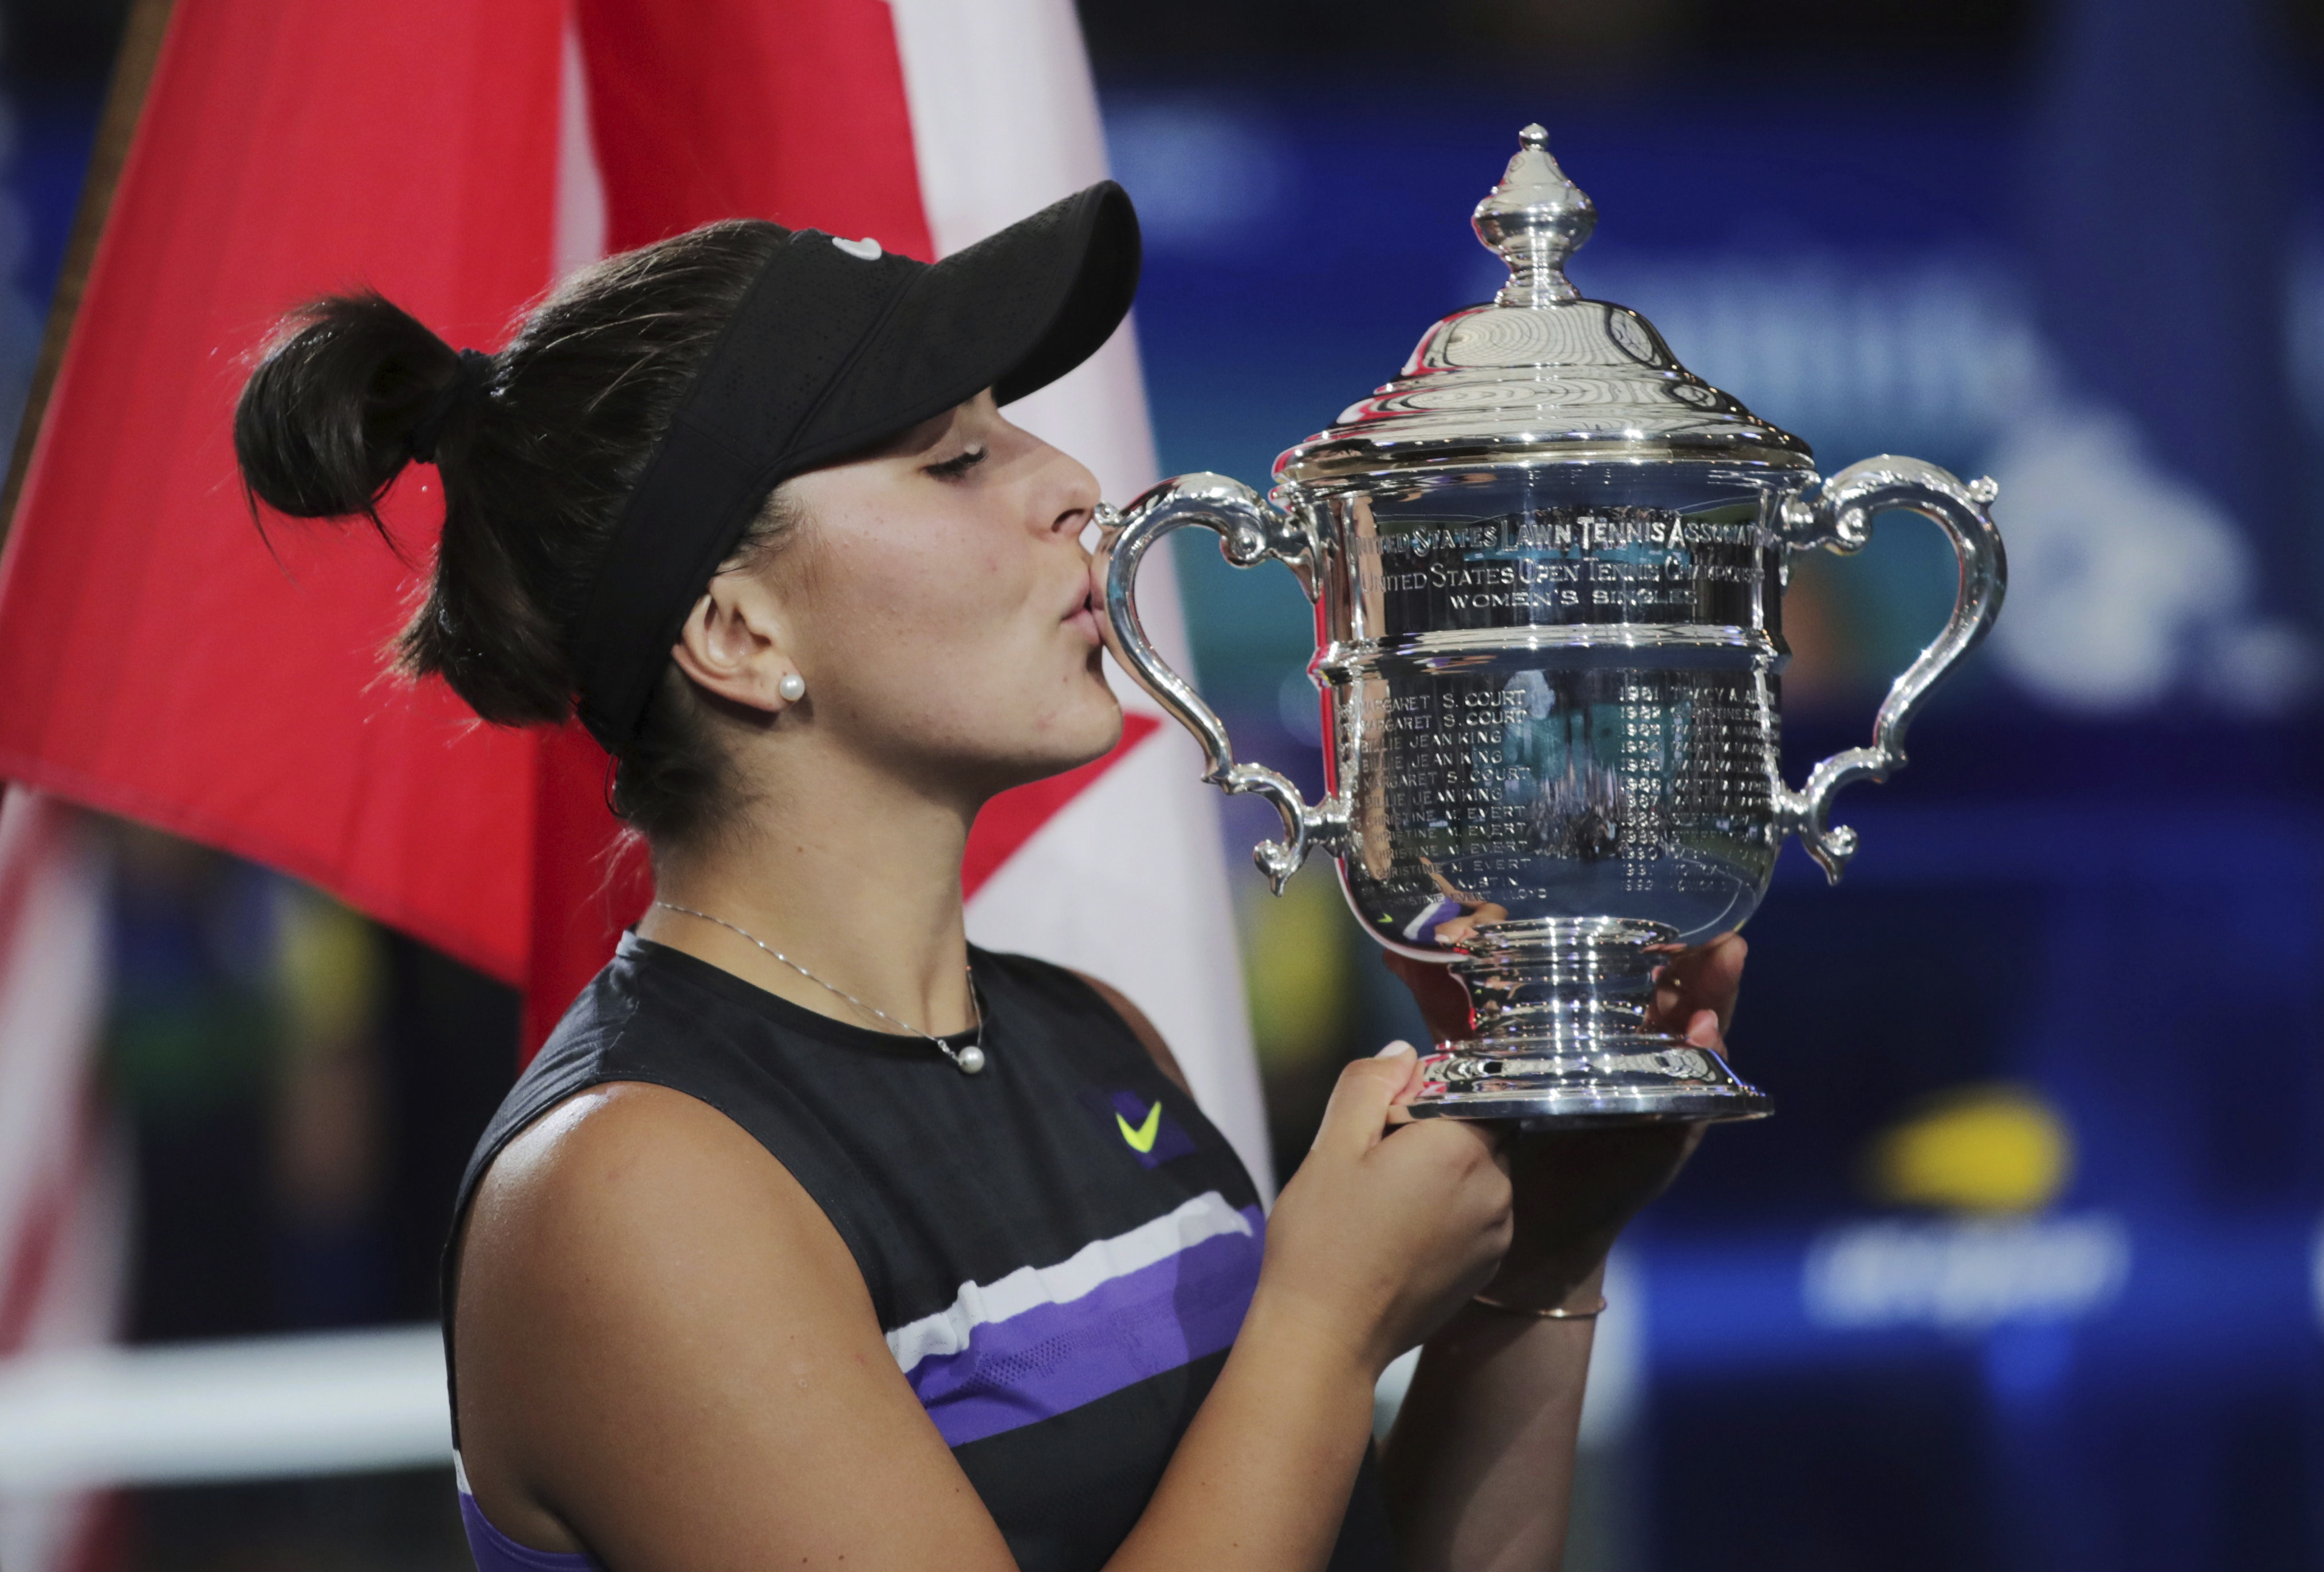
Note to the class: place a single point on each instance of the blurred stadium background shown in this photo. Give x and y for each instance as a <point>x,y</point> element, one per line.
<point>2029,1274</point>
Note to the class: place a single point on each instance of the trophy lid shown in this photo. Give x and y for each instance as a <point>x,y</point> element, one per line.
<point>1540,374</point>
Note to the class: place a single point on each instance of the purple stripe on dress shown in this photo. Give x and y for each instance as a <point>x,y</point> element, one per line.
<point>494,1551</point>
<point>1054,1357</point>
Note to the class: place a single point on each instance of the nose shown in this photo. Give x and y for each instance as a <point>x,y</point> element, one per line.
<point>1073,494</point>
<point>1065,493</point>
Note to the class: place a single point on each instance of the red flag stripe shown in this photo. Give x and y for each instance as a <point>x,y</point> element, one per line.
<point>157,662</point>
<point>736,108</point>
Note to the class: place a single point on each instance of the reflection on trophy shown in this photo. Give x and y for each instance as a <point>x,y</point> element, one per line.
<point>1549,565</point>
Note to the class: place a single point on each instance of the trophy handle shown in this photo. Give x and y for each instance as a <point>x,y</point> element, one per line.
<point>1838,518</point>
<point>1249,532</point>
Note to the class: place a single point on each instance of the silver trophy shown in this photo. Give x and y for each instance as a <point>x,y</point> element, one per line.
<point>1548,563</point>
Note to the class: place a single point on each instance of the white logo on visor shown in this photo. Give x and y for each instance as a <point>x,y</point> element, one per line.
<point>864,250</point>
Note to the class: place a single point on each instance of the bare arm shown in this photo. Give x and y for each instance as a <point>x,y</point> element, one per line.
<point>667,1357</point>
<point>1480,1467</point>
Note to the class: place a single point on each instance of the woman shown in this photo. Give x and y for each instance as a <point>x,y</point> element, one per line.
<point>813,1234</point>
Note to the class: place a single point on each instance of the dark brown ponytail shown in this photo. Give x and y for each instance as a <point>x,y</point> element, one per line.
<point>538,450</point>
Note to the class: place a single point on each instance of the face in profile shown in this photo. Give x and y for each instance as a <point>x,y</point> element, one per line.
<point>936,598</point>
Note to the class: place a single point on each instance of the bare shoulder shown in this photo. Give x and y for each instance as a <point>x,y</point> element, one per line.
<point>652,1313</point>
<point>1140,1027</point>
<point>629,1176</point>
<point>607,1158</point>
<point>580,1231</point>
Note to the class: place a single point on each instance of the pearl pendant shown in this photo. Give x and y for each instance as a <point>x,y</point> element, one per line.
<point>970,1059</point>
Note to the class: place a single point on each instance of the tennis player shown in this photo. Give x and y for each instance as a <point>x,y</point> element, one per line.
<point>814,1237</point>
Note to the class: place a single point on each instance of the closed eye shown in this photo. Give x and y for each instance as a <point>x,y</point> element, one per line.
<point>952,468</point>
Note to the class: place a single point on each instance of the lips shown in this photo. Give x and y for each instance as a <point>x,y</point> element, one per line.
<point>1083,614</point>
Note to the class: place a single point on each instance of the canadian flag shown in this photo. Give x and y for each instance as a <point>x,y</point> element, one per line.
<point>161,662</point>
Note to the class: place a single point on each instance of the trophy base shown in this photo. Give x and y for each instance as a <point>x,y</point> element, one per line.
<point>1562,1039</point>
<point>1640,1081</point>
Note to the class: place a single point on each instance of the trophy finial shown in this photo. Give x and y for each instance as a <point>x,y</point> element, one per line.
<point>1535,218</point>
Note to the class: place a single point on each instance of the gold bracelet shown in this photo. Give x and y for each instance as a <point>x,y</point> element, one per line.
<point>1558,1314</point>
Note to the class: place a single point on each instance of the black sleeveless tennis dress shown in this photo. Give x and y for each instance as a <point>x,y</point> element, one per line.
<point>1060,1248</point>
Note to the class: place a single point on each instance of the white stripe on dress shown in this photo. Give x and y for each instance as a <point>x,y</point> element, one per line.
<point>1206,1217</point>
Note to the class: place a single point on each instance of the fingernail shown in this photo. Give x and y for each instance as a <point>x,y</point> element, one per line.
<point>1393,1049</point>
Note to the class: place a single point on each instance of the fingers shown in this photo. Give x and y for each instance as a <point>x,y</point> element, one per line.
<point>1705,978</point>
<point>1718,976</point>
<point>1461,1141</point>
<point>1404,1053</point>
<point>1357,1111</point>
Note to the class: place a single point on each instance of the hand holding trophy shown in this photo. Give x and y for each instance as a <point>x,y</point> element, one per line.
<point>1549,565</point>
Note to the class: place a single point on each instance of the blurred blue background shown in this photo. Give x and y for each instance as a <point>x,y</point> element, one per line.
<point>2029,1270</point>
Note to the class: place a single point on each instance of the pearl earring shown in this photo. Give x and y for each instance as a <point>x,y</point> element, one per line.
<point>793,686</point>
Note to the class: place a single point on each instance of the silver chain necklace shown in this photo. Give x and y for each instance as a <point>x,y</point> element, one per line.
<point>970,1059</point>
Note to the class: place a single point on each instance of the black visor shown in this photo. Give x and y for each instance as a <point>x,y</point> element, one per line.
<point>836,347</point>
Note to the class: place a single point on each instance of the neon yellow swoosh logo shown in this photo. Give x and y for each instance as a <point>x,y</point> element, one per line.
<point>1141,1138</point>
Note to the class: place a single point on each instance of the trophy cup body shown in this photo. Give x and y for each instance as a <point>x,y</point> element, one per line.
<point>1548,564</point>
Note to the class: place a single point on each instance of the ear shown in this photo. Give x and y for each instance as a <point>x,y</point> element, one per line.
<point>733,643</point>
